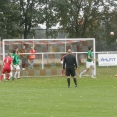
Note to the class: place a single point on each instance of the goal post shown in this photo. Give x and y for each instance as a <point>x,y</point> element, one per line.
<point>50,51</point>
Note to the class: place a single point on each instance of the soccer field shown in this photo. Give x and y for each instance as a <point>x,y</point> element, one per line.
<point>50,97</point>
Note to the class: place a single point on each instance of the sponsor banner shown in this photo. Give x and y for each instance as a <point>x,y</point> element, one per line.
<point>107,59</point>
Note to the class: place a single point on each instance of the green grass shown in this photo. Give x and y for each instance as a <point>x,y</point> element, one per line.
<point>50,97</point>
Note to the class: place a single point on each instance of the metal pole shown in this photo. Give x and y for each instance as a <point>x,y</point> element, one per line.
<point>42,61</point>
<point>0,49</point>
<point>94,56</point>
<point>3,51</point>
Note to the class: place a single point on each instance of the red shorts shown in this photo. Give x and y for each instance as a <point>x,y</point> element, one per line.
<point>4,70</point>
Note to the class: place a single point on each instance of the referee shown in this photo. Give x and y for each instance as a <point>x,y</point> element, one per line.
<point>71,66</point>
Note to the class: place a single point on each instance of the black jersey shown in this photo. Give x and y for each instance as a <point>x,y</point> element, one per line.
<point>69,61</point>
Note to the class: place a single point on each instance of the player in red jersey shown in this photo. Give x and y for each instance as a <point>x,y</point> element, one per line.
<point>63,70</point>
<point>6,67</point>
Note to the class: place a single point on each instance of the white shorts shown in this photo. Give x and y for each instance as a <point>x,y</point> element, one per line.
<point>62,64</point>
<point>17,67</point>
<point>12,67</point>
<point>89,64</point>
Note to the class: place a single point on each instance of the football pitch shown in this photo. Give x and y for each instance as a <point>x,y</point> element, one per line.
<point>50,96</point>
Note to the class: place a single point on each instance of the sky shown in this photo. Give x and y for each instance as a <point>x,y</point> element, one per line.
<point>43,26</point>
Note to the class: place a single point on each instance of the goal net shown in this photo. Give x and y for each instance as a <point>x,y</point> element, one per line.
<point>47,60</point>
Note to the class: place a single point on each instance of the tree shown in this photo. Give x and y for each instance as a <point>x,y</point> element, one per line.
<point>20,16</point>
<point>87,18</point>
<point>31,15</point>
<point>9,27</point>
<point>77,18</point>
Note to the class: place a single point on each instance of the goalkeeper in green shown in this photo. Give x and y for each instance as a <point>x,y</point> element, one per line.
<point>16,64</point>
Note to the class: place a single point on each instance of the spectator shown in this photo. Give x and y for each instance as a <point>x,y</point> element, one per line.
<point>23,57</point>
<point>17,49</point>
<point>32,57</point>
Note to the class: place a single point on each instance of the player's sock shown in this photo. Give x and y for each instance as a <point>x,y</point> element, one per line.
<point>23,66</point>
<point>15,74</point>
<point>1,77</point>
<point>11,74</point>
<point>75,81</point>
<point>92,72</point>
<point>62,71</point>
<point>68,81</point>
<point>83,72</point>
<point>8,76</point>
<point>18,73</point>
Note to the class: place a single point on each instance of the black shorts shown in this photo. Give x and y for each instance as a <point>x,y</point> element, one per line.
<point>70,71</point>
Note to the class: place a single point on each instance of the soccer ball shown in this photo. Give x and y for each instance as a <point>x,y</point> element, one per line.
<point>111,33</point>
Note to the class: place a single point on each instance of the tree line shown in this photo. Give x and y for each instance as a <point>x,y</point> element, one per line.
<point>77,18</point>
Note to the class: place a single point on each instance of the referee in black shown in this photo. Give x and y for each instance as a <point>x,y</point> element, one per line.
<point>71,66</point>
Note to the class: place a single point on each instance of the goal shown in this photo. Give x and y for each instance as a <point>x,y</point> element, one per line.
<point>49,53</point>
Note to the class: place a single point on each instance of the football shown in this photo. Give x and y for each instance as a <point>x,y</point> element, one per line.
<point>111,33</point>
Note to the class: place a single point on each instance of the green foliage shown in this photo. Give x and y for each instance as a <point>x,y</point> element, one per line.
<point>19,17</point>
<point>77,18</point>
<point>10,20</point>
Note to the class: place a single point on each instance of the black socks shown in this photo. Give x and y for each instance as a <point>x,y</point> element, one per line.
<point>68,81</point>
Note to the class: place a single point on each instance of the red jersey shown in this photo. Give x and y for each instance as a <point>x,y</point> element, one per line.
<point>32,56</point>
<point>7,62</point>
<point>62,58</point>
<point>32,51</point>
